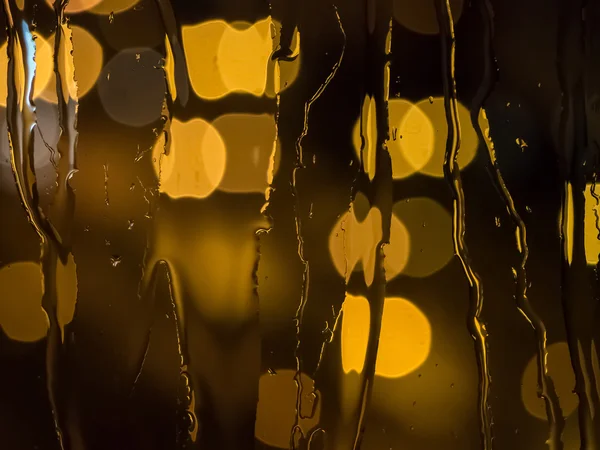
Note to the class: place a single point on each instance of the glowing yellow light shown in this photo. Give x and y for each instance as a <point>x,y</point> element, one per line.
<point>353,243</point>
<point>570,231</point>
<point>200,44</point>
<point>106,7</point>
<point>411,141</point>
<point>249,141</point>
<point>405,339</point>
<point>223,58</point>
<point>195,163</point>
<point>281,74</point>
<point>21,315</point>
<point>591,225</point>
<point>243,55</point>
<point>429,226</point>
<point>561,372</point>
<point>77,6</point>
<point>420,16</point>
<point>434,109</point>
<point>44,67</point>
<point>81,72</point>
<point>356,318</point>
<point>276,410</point>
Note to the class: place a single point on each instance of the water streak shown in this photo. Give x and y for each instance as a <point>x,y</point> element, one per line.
<point>306,273</point>
<point>454,179</point>
<point>546,388</point>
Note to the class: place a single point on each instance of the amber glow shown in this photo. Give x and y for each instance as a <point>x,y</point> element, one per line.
<point>353,242</point>
<point>276,411</point>
<point>434,109</point>
<point>355,333</point>
<point>561,372</point>
<point>223,58</point>
<point>405,338</point>
<point>44,67</point>
<point>417,138</point>
<point>591,225</point>
<point>21,315</point>
<point>87,59</point>
<point>194,164</point>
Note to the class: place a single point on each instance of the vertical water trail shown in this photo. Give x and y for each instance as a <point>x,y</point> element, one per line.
<point>378,59</point>
<point>55,234</point>
<point>545,385</point>
<point>453,178</point>
<point>306,274</point>
<point>576,299</point>
<point>153,266</point>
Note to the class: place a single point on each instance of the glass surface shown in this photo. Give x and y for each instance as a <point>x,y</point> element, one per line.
<point>298,224</point>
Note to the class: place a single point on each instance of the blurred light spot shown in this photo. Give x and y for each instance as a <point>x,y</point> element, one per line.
<point>276,411</point>
<point>43,71</point>
<point>356,317</point>
<point>195,163</point>
<point>561,372</point>
<point>106,7</point>
<point>132,88</point>
<point>591,225</point>
<point>76,6</point>
<point>249,141</point>
<point>81,72</point>
<point>243,54</point>
<point>281,74</point>
<point>353,242</point>
<point>200,44</point>
<point>224,58</point>
<point>21,315</point>
<point>411,143</point>
<point>429,226</point>
<point>405,339</point>
<point>434,109</point>
<point>412,138</point>
<point>420,16</point>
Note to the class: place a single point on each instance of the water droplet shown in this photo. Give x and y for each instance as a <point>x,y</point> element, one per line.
<point>431,99</point>
<point>137,57</point>
<point>528,209</point>
<point>111,17</point>
<point>106,242</point>
<point>271,371</point>
<point>87,228</point>
<point>521,143</point>
<point>415,403</point>
<point>412,428</point>
<point>115,260</point>
<point>452,385</point>
<point>497,220</point>
<point>130,224</point>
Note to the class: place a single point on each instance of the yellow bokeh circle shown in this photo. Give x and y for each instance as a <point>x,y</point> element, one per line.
<point>44,70</point>
<point>194,164</point>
